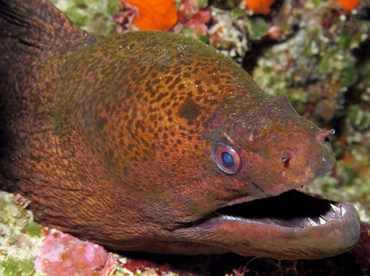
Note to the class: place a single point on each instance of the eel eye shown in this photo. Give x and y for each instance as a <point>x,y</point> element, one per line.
<point>227,159</point>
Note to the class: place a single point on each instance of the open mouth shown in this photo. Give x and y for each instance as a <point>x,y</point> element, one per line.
<point>292,225</point>
<point>290,209</point>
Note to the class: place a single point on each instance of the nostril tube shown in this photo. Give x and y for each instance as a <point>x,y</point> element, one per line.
<point>322,135</point>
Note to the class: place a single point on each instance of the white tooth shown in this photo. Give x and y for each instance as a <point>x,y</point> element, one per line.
<point>312,222</point>
<point>231,217</point>
<point>335,208</point>
<point>322,221</point>
<point>332,213</point>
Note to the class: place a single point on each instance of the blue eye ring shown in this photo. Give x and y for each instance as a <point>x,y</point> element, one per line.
<point>226,158</point>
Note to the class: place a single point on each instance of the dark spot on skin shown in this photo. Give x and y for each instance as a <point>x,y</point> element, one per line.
<point>200,90</point>
<point>107,107</point>
<point>101,122</point>
<point>160,97</point>
<point>173,96</point>
<point>168,80</point>
<point>139,95</point>
<point>156,81</point>
<point>137,124</point>
<point>190,110</point>
<point>121,135</point>
<point>150,89</point>
<point>176,81</point>
<point>176,71</point>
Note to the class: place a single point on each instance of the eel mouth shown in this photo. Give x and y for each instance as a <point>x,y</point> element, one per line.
<point>292,225</point>
<point>292,209</point>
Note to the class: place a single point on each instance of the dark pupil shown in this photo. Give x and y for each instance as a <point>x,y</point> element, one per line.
<point>227,158</point>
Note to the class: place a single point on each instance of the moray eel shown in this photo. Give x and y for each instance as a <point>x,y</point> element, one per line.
<point>154,142</point>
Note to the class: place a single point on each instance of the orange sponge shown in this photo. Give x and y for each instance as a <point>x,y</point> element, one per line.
<point>259,6</point>
<point>155,14</point>
<point>348,5</point>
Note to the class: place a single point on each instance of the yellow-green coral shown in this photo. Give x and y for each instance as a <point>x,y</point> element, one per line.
<point>20,236</point>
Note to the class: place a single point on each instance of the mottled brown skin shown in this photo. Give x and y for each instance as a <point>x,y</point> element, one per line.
<point>112,140</point>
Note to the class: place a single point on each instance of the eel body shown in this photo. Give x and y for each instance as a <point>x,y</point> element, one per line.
<point>150,141</point>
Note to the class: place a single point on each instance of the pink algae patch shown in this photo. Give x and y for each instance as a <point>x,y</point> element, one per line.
<point>193,17</point>
<point>62,254</point>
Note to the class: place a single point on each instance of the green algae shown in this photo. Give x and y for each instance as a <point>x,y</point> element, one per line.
<point>33,229</point>
<point>14,266</point>
<point>257,28</point>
